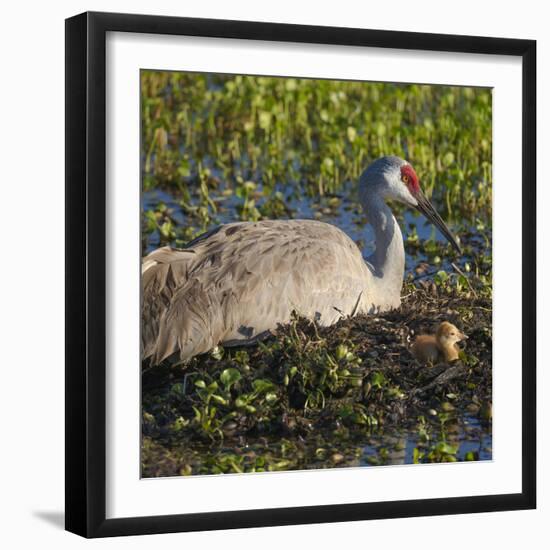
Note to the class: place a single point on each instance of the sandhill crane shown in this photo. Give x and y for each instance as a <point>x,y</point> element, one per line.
<point>234,284</point>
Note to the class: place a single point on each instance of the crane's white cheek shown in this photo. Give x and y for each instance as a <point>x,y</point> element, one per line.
<point>409,199</point>
<point>406,198</point>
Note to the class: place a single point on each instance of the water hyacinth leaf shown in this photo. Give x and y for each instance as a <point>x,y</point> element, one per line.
<point>290,84</point>
<point>341,351</point>
<point>166,229</point>
<point>229,377</point>
<point>179,424</point>
<point>219,399</point>
<point>261,385</point>
<point>378,380</point>
<point>218,353</point>
<point>448,159</point>
<point>151,221</point>
<point>446,448</point>
<point>321,453</point>
<point>264,120</point>
<point>178,389</point>
<point>271,397</point>
<point>441,277</point>
<point>184,169</point>
<point>240,402</point>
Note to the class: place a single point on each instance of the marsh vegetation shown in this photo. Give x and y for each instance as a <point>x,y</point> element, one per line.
<point>220,148</point>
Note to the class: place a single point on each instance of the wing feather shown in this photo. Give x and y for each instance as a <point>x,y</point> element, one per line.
<point>240,280</point>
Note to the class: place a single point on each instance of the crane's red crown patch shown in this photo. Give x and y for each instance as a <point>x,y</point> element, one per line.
<point>409,177</point>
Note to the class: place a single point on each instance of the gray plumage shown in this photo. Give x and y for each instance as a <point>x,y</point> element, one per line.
<point>237,282</point>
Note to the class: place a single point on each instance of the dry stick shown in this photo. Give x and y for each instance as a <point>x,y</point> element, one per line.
<point>423,275</point>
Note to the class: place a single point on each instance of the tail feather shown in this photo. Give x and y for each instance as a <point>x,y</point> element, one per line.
<point>190,326</point>
<point>164,272</point>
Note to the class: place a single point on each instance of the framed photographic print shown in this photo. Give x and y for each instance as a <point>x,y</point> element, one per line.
<point>300,274</point>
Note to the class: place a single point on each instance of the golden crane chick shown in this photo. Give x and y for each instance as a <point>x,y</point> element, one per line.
<point>439,347</point>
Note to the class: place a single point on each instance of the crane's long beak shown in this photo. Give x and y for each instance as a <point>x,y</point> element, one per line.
<point>425,207</point>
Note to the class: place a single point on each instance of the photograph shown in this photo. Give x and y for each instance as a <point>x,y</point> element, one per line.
<point>316,274</point>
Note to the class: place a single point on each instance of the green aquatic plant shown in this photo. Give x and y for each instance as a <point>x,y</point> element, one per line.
<point>333,386</point>
<point>314,134</point>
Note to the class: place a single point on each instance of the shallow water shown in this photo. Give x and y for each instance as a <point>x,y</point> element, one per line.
<point>347,216</point>
<point>470,437</point>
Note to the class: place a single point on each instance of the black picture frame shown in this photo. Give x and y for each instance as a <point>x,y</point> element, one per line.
<point>86,275</point>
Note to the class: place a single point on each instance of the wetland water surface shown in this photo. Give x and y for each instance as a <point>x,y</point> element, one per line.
<point>339,210</point>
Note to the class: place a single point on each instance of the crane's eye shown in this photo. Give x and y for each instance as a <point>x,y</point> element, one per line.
<point>405,178</point>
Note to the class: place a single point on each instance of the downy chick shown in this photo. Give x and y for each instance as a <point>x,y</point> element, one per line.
<point>440,347</point>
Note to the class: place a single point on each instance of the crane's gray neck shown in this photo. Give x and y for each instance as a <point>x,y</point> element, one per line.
<point>388,260</point>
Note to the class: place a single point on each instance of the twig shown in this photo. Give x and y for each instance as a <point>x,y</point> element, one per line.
<point>443,378</point>
<point>422,275</point>
<point>460,272</point>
